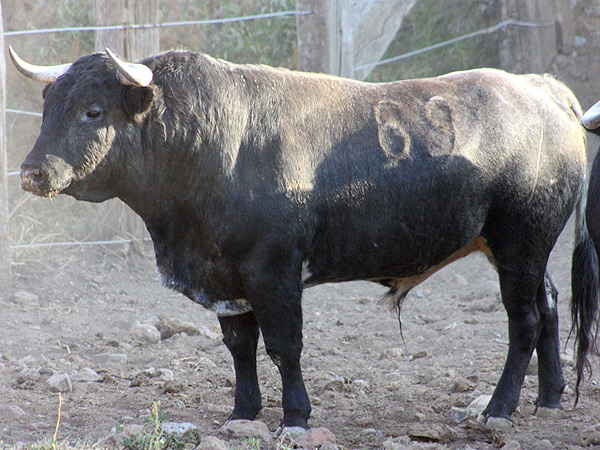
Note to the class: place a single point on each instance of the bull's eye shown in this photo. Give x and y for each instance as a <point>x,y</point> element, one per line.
<point>92,115</point>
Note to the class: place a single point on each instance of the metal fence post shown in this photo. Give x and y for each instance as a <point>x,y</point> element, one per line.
<point>5,257</point>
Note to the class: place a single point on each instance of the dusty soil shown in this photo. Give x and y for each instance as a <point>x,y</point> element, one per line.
<point>366,382</point>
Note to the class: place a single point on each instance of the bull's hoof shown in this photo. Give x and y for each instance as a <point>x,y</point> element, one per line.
<point>499,423</point>
<point>292,433</point>
<point>549,413</point>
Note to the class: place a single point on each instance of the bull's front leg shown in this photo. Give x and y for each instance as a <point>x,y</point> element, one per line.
<point>240,335</point>
<point>276,303</point>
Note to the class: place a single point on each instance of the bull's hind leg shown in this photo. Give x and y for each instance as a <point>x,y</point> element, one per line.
<point>240,335</point>
<point>551,382</point>
<point>519,290</point>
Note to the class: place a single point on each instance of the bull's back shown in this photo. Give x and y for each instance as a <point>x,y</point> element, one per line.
<point>446,155</point>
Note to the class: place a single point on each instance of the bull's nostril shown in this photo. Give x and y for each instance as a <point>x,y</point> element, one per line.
<point>33,175</point>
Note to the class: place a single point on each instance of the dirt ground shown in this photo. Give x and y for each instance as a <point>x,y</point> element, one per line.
<point>366,383</point>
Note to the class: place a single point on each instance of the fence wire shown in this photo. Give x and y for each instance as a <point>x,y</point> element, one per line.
<point>497,27</point>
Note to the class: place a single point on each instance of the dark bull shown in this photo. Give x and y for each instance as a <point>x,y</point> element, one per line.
<point>256,182</point>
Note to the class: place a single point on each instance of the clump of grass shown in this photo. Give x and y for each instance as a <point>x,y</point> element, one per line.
<point>157,439</point>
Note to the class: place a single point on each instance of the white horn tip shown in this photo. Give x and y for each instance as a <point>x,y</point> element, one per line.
<point>591,118</point>
<point>129,73</point>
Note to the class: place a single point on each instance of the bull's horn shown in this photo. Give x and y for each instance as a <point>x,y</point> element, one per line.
<point>591,118</point>
<point>47,74</point>
<point>129,73</point>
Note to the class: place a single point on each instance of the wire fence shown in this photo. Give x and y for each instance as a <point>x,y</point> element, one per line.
<point>486,31</point>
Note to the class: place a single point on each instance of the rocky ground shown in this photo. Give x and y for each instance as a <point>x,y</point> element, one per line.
<point>96,325</point>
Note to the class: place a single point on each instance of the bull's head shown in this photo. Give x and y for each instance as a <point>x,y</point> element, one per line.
<point>89,112</point>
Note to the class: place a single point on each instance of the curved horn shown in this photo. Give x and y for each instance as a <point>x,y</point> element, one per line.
<point>591,118</point>
<point>47,74</point>
<point>129,73</point>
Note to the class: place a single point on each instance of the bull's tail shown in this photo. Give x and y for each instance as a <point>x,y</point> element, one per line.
<point>585,273</point>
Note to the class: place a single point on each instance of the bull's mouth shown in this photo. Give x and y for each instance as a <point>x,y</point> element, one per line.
<point>43,191</point>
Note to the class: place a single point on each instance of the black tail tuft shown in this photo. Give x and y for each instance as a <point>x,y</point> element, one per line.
<point>584,275</point>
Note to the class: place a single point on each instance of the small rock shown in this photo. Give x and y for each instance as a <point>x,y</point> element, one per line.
<point>132,430</point>
<point>591,436</point>
<point>25,298</point>
<point>421,354</point>
<point>247,428</point>
<point>432,432</point>
<point>461,385</point>
<point>212,443</point>
<point>28,375</point>
<point>478,405</point>
<point>544,444</point>
<point>315,437</point>
<point>87,375</point>
<point>178,428</point>
<point>329,446</point>
<point>209,333</point>
<point>393,353</point>
<point>26,361</point>
<point>170,327</point>
<point>511,445</point>
<point>145,333</point>
<point>163,375</point>
<point>11,411</point>
<point>59,382</point>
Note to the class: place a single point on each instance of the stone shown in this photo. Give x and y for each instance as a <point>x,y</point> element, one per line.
<point>544,444</point>
<point>145,333</point>
<point>314,438</point>
<point>25,298</point>
<point>511,445</point>
<point>59,382</point>
<point>178,428</point>
<point>247,428</point>
<point>431,432</point>
<point>28,375</point>
<point>392,353</point>
<point>133,429</point>
<point>532,368</point>
<point>11,411</point>
<point>87,375</point>
<point>591,436</point>
<point>212,443</point>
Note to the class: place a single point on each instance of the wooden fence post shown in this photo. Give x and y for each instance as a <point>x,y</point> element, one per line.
<point>5,256</point>
<point>529,49</point>
<point>132,45</point>
<point>325,37</point>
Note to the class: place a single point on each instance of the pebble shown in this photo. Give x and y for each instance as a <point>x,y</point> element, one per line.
<point>28,374</point>
<point>532,368</point>
<point>591,436</point>
<point>11,411</point>
<point>247,428</point>
<point>132,430</point>
<point>59,382</point>
<point>87,375</point>
<point>396,443</point>
<point>474,409</point>
<point>511,445</point>
<point>432,432</point>
<point>393,353</point>
<point>212,443</point>
<point>25,298</point>
<point>315,437</point>
<point>145,333</point>
<point>544,444</point>
<point>178,428</point>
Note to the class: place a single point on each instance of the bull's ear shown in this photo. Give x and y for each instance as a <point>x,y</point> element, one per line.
<point>137,101</point>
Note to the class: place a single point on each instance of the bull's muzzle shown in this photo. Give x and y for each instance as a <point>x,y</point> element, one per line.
<point>36,181</point>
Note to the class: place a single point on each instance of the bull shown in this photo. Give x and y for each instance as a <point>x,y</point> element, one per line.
<point>255,183</point>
